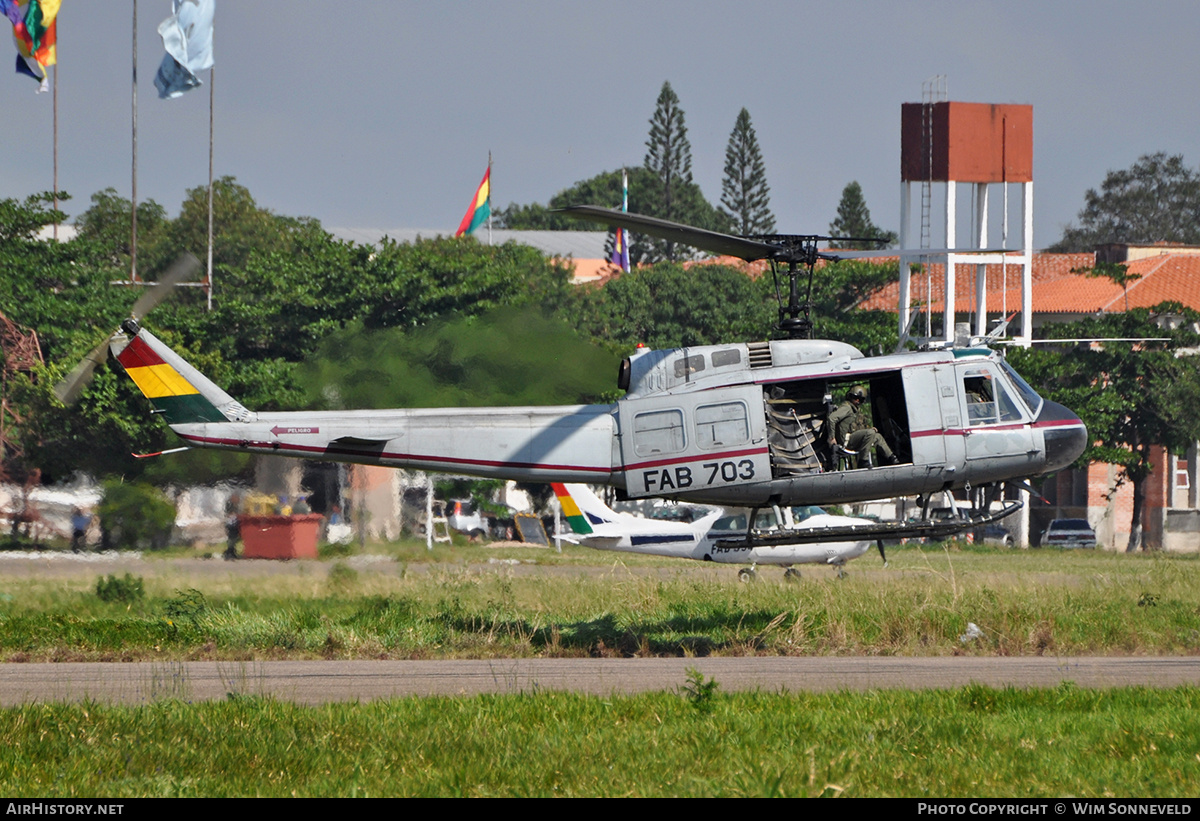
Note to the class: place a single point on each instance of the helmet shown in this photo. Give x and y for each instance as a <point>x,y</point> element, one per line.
<point>858,392</point>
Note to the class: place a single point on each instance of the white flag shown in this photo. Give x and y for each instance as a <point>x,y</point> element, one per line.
<point>187,36</point>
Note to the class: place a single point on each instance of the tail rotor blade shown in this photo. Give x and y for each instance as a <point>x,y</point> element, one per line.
<point>882,555</point>
<point>69,389</point>
<point>180,270</point>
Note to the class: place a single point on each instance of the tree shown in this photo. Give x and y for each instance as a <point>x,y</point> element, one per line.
<point>671,193</point>
<point>854,220</point>
<point>667,306</point>
<point>1157,199</point>
<point>108,224</point>
<point>1131,395</point>
<point>745,194</point>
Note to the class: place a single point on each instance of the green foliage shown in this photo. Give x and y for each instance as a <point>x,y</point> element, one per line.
<point>668,306</point>
<point>411,284</point>
<point>854,220</point>
<point>186,605</point>
<point>22,220</point>
<point>745,194</point>
<point>127,589</point>
<point>107,225</point>
<point>1131,395</point>
<point>1157,199</point>
<point>134,515</point>
<point>512,356</point>
<point>701,692</point>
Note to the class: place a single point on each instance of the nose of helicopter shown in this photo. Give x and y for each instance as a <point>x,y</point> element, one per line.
<point>1065,436</point>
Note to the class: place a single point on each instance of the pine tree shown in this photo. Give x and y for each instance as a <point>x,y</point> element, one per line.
<point>669,159</point>
<point>854,220</point>
<point>745,194</point>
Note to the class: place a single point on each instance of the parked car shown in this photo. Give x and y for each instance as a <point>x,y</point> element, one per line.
<point>463,516</point>
<point>1068,533</point>
<point>997,534</point>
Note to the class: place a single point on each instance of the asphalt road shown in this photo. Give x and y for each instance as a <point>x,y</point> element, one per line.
<point>318,682</point>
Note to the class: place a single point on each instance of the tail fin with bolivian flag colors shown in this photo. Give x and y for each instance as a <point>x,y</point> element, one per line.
<point>178,391</point>
<point>574,514</point>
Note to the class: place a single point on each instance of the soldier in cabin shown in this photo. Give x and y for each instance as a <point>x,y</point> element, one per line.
<point>848,428</point>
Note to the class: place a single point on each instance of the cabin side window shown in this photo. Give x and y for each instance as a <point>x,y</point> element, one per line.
<point>731,356</point>
<point>722,425</point>
<point>658,432</point>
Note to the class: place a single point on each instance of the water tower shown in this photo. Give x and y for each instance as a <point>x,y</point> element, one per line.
<point>946,143</point>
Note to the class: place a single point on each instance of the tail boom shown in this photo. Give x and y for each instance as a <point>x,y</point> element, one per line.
<point>542,444</point>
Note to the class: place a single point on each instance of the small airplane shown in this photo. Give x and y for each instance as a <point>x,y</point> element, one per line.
<point>745,424</point>
<point>598,526</point>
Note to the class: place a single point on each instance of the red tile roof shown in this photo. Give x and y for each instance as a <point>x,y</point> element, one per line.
<point>1056,289</point>
<point>930,286</point>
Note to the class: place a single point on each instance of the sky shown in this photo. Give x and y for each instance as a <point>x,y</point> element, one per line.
<point>380,114</point>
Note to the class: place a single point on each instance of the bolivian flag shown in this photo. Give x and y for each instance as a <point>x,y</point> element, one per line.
<point>481,206</point>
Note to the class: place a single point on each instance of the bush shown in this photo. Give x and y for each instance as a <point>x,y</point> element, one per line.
<point>127,589</point>
<point>136,515</point>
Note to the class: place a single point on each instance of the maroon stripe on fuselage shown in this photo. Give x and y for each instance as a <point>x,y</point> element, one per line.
<point>677,459</point>
<point>1050,423</point>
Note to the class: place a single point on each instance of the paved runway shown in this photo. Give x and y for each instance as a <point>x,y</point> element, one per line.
<point>317,682</point>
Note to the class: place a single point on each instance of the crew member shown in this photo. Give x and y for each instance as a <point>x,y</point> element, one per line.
<point>848,427</point>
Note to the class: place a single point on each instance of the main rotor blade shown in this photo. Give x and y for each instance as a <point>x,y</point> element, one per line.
<point>69,389</point>
<point>717,243</point>
<point>911,253</point>
<point>180,269</point>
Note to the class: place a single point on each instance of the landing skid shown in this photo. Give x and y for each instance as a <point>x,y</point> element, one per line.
<point>875,530</point>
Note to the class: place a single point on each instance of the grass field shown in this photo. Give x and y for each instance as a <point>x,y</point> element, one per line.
<point>970,742</point>
<point>453,604</point>
<point>403,602</point>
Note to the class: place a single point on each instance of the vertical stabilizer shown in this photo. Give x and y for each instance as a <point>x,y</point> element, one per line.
<point>180,392</point>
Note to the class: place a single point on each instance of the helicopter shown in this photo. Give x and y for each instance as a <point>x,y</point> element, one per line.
<point>743,424</point>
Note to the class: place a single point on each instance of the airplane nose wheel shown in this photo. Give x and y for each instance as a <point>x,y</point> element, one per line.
<point>791,575</point>
<point>747,575</point>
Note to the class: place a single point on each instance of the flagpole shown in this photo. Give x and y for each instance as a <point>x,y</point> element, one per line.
<point>211,94</point>
<point>56,137</point>
<point>133,221</point>
<point>489,199</point>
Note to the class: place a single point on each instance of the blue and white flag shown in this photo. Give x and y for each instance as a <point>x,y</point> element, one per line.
<point>187,36</point>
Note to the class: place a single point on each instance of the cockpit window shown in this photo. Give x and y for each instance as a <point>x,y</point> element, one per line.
<point>988,401</point>
<point>687,365</point>
<point>1027,393</point>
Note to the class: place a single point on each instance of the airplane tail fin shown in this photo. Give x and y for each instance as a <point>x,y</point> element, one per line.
<point>581,507</point>
<point>178,391</point>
